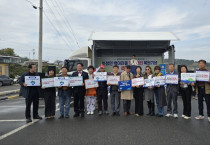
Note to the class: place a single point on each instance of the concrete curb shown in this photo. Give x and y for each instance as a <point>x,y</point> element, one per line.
<point>9,92</point>
<point>10,97</point>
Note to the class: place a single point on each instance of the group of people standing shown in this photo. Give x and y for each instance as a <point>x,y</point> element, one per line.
<point>159,96</point>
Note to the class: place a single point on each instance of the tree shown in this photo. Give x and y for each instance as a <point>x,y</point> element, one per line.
<point>58,62</point>
<point>7,52</point>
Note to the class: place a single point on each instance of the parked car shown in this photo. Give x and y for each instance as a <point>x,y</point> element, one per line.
<point>5,80</point>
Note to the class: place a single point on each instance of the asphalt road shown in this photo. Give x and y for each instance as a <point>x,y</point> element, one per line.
<point>102,130</point>
<point>7,88</point>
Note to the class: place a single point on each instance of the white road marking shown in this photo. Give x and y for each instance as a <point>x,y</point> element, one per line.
<point>12,120</point>
<point>24,126</point>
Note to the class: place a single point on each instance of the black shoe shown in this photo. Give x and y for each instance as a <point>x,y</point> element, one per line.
<point>66,116</point>
<point>76,115</point>
<point>160,115</point>
<point>28,120</point>
<point>82,114</point>
<point>100,113</point>
<point>62,116</point>
<point>38,117</point>
<point>117,114</point>
<point>113,114</point>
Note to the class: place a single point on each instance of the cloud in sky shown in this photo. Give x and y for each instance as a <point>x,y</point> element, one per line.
<point>188,19</point>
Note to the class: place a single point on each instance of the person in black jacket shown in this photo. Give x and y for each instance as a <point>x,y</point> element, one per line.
<point>31,94</point>
<point>138,94</point>
<point>102,94</point>
<point>49,98</point>
<point>79,92</point>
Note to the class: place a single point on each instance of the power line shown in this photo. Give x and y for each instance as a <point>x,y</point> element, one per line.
<point>68,24</point>
<point>56,29</point>
<point>52,12</point>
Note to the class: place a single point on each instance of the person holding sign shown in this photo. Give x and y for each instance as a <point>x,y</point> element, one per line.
<point>102,94</point>
<point>90,93</point>
<point>186,91</point>
<point>172,94</point>
<point>64,94</point>
<point>79,92</point>
<point>49,97</point>
<point>149,92</point>
<point>138,94</point>
<point>159,94</point>
<point>126,95</point>
<point>31,94</point>
<point>115,94</point>
<point>203,90</point>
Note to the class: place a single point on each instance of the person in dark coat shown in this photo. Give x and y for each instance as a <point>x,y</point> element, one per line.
<point>138,94</point>
<point>49,98</point>
<point>79,92</point>
<point>102,94</point>
<point>159,94</point>
<point>31,94</point>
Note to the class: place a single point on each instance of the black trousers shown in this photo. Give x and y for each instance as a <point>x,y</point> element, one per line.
<point>138,95</point>
<point>49,99</point>
<point>126,105</point>
<point>79,101</point>
<point>33,97</point>
<point>186,97</point>
<point>102,100</point>
<point>201,95</point>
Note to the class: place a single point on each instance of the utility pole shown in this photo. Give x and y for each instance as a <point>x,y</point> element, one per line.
<point>40,37</point>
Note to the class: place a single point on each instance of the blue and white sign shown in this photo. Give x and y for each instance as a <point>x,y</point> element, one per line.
<point>124,85</point>
<point>32,80</point>
<point>61,81</point>
<point>100,76</point>
<point>163,69</point>
<point>149,82</point>
<point>172,79</point>
<point>188,77</point>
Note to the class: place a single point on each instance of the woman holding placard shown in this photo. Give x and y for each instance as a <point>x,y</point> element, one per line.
<point>138,94</point>
<point>149,92</point>
<point>49,98</point>
<point>90,94</point>
<point>159,94</point>
<point>186,91</point>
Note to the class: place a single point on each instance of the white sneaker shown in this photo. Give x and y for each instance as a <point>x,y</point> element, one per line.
<point>91,112</point>
<point>88,113</point>
<point>168,115</point>
<point>209,119</point>
<point>175,115</point>
<point>183,116</point>
<point>199,117</point>
<point>186,117</point>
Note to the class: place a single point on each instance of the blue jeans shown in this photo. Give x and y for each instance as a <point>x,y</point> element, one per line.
<point>64,99</point>
<point>160,109</point>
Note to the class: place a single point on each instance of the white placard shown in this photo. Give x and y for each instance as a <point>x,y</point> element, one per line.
<point>32,80</point>
<point>47,82</point>
<point>100,76</point>
<point>61,81</point>
<point>202,76</point>
<point>188,77</point>
<point>90,83</point>
<point>137,81</point>
<point>149,82</point>
<point>76,81</point>
<point>172,79</point>
<point>113,80</point>
<point>160,80</point>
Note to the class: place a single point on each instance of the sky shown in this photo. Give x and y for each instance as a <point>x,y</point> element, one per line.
<point>68,22</point>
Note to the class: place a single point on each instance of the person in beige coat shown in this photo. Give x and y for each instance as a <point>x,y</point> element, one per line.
<point>127,95</point>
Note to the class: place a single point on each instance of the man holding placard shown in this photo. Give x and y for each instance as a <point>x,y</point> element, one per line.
<point>172,91</point>
<point>203,90</point>
<point>31,92</point>
<point>114,93</point>
<point>126,95</point>
<point>79,92</point>
<point>64,94</point>
<point>102,94</point>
